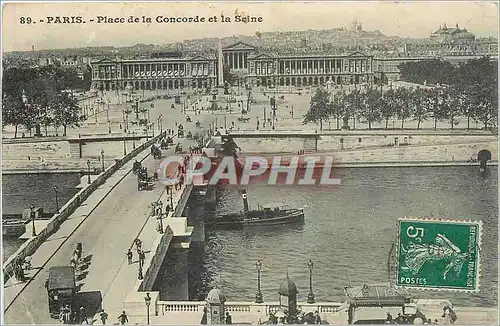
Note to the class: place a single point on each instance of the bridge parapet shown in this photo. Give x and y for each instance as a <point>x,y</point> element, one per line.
<point>31,245</point>
<point>164,307</point>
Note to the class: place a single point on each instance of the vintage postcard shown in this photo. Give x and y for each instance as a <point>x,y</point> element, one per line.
<point>186,163</point>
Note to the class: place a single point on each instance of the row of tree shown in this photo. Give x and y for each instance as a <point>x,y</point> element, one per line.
<point>472,93</point>
<point>38,97</point>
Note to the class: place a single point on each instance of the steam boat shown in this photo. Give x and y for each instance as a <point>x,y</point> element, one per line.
<point>262,216</point>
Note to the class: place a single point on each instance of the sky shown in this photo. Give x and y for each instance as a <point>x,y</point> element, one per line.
<point>404,19</point>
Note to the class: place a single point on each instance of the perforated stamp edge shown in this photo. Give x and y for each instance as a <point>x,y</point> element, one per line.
<point>428,219</point>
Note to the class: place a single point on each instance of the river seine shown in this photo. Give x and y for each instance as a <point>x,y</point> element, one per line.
<point>348,233</point>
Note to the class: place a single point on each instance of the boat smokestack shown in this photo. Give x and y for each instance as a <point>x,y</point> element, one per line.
<point>245,200</point>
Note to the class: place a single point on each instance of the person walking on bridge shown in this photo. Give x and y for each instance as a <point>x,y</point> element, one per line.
<point>129,256</point>
<point>138,245</point>
<point>123,318</point>
<point>104,316</point>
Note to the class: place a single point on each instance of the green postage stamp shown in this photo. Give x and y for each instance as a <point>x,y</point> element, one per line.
<point>438,254</point>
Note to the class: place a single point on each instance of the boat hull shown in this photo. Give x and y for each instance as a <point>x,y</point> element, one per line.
<point>248,221</point>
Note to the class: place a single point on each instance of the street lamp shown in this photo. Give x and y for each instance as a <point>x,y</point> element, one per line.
<point>32,213</point>
<point>57,201</point>
<point>147,299</point>
<point>133,139</point>
<point>88,170</point>
<point>107,111</point>
<point>258,296</point>
<point>102,159</point>
<point>160,219</point>
<point>124,146</point>
<point>171,199</point>
<point>310,295</point>
<point>140,276</point>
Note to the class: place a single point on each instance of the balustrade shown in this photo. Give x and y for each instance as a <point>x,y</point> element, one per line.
<point>244,307</point>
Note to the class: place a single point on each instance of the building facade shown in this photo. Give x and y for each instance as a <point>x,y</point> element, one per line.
<point>307,70</point>
<point>257,68</point>
<point>152,74</point>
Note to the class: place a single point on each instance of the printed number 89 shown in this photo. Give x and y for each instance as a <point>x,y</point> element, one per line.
<point>25,20</point>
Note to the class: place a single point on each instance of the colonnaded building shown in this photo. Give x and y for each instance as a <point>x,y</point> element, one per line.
<point>173,70</point>
<point>254,68</point>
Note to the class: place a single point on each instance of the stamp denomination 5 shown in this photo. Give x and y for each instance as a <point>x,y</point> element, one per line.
<point>439,254</point>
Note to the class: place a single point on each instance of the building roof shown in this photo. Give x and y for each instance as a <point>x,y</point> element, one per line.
<point>287,287</point>
<point>239,46</point>
<point>215,296</point>
<point>61,277</point>
<point>452,31</point>
<point>376,295</point>
<point>307,55</point>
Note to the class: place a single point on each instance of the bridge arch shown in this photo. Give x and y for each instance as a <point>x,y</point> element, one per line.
<point>484,155</point>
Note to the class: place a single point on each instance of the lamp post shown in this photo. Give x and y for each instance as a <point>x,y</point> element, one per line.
<point>160,123</point>
<point>140,276</point>
<point>258,296</point>
<point>310,295</point>
<point>171,200</point>
<point>147,299</point>
<point>133,139</point>
<point>124,146</point>
<point>107,111</point>
<point>88,170</point>
<point>102,159</point>
<point>32,213</point>
<point>57,201</point>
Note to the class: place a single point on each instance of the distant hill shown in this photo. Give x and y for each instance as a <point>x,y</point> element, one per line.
<point>334,40</point>
<point>292,39</point>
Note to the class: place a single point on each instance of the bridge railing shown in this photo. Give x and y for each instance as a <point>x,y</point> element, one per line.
<point>164,307</point>
<point>31,245</point>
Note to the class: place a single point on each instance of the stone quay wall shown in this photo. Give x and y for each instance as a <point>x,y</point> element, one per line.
<point>31,245</point>
<point>383,147</point>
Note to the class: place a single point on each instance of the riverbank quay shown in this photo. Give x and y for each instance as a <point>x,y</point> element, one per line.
<point>381,148</point>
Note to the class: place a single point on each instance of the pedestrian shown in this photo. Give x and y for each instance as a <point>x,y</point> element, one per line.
<point>229,319</point>
<point>83,316</point>
<point>317,318</point>
<point>123,318</point>
<point>129,256</point>
<point>104,316</point>
<point>138,245</point>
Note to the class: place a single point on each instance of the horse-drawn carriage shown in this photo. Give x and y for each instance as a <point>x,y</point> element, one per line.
<point>180,131</point>
<point>156,152</point>
<point>143,181</point>
<point>61,290</point>
<point>137,167</point>
<point>178,149</point>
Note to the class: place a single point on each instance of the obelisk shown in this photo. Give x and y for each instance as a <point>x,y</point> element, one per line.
<point>220,67</point>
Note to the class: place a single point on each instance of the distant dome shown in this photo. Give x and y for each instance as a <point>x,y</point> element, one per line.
<point>215,296</point>
<point>287,287</point>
